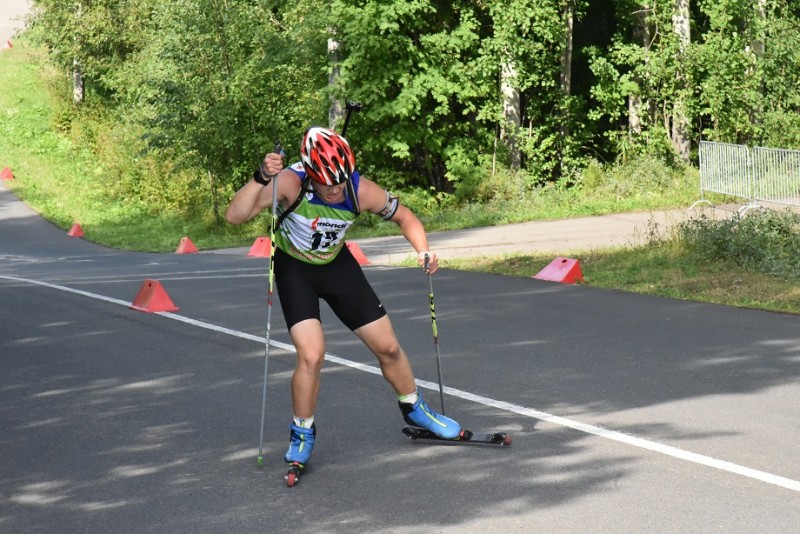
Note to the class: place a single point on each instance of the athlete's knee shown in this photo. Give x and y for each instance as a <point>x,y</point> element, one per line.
<point>310,361</point>
<point>388,349</point>
<point>310,344</point>
<point>381,339</point>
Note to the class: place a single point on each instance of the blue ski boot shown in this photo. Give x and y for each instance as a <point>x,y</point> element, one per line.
<point>301,444</point>
<point>420,415</point>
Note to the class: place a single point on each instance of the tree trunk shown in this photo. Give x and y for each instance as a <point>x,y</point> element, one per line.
<point>511,113</point>
<point>336,109</point>
<point>680,121</point>
<point>642,36</point>
<point>757,47</point>
<point>565,79</point>
<point>212,183</point>
<point>78,93</point>
<point>757,44</point>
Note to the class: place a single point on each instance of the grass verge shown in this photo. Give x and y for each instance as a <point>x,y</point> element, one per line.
<point>659,271</point>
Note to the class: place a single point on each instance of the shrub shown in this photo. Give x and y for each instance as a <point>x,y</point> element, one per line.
<point>642,176</point>
<point>765,241</point>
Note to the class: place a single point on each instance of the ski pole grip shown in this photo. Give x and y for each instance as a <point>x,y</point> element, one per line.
<point>261,175</point>
<point>426,260</point>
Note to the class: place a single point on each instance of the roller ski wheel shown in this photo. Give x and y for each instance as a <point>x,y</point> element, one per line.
<point>496,438</point>
<point>293,476</point>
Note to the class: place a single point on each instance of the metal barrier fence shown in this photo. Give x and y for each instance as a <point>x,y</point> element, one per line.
<point>777,176</point>
<point>758,175</point>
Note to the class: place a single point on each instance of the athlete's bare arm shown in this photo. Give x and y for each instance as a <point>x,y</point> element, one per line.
<point>253,198</point>
<point>372,197</point>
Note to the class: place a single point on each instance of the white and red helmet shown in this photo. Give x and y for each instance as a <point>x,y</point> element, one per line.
<point>327,157</point>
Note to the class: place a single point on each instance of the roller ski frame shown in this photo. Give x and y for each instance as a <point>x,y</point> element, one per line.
<point>497,438</point>
<point>293,476</point>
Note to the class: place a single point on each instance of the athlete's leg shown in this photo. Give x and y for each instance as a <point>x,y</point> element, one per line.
<point>380,338</point>
<point>354,301</point>
<point>309,341</point>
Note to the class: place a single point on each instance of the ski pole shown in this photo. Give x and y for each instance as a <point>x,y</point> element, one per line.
<point>350,107</point>
<point>435,332</point>
<point>351,192</point>
<point>278,150</point>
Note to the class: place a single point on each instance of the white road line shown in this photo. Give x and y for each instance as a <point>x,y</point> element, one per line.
<point>634,441</point>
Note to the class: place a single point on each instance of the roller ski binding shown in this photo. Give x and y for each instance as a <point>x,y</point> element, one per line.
<point>300,446</point>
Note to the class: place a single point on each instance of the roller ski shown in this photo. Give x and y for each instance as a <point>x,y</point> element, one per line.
<point>300,446</point>
<point>465,436</point>
<point>425,423</point>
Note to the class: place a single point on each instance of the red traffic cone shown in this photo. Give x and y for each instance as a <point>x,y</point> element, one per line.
<point>261,248</point>
<point>6,174</point>
<point>355,250</point>
<point>75,231</point>
<point>8,44</point>
<point>564,270</point>
<point>152,298</point>
<point>186,246</point>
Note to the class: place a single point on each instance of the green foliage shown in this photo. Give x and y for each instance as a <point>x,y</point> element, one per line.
<point>780,116</point>
<point>98,174</point>
<point>531,36</point>
<point>99,35</point>
<point>209,86</point>
<point>641,177</point>
<point>731,71</point>
<point>202,88</point>
<point>761,241</point>
<point>644,64</point>
<point>417,68</point>
<point>502,186</point>
<point>740,70</point>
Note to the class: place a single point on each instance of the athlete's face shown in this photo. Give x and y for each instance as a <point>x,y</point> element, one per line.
<point>329,193</point>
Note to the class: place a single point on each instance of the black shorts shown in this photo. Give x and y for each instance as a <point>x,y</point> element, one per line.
<point>341,283</point>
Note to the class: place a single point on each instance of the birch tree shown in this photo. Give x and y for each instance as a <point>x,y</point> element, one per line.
<point>643,37</point>
<point>680,120</point>
<point>512,113</point>
<point>565,77</point>
<point>336,108</point>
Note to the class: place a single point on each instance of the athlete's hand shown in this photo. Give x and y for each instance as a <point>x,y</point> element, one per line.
<point>272,164</point>
<point>429,261</point>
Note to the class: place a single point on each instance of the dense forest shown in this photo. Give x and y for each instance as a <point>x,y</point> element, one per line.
<point>451,90</point>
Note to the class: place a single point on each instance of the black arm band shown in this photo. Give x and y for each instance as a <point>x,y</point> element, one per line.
<point>260,177</point>
<point>390,207</point>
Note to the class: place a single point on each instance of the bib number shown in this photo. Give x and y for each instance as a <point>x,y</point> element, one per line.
<point>324,240</point>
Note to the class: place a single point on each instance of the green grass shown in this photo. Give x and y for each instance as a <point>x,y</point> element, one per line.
<point>71,173</point>
<point>663,269</point>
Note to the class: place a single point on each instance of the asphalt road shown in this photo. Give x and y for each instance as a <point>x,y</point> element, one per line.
<point>629,413</point>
